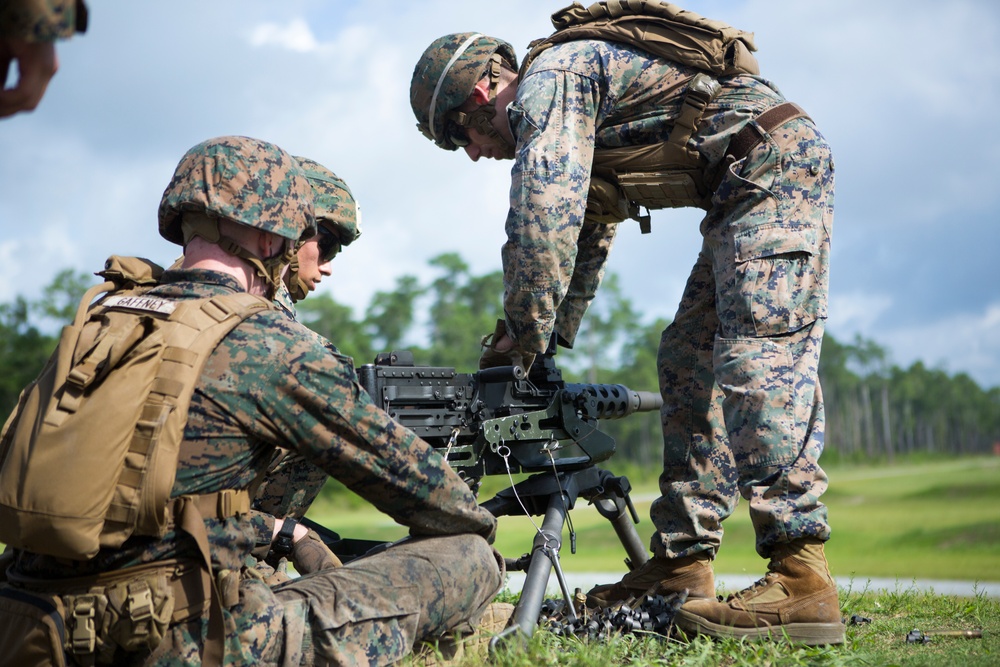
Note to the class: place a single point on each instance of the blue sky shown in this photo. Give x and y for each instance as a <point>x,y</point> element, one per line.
<point>906,92</point>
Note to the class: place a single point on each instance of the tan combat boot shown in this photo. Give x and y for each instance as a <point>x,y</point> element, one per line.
<point>797,599</point>
<point>659,576</point>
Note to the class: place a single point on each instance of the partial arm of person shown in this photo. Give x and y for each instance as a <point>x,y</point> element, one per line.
<point>593,248</point>
<point>550,252</point>
<point>324,414</point>
<point>28,32</point>
<point>307,551</point>
<point>290,486</point>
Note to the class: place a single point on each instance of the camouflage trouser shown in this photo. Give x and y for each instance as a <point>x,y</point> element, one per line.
<point>738,367</point>
<point>371,611</point>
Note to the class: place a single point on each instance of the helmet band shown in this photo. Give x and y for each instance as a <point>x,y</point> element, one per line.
<point>447,68</point>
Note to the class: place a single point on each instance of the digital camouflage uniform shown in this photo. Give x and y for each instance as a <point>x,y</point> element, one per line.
<point>293,483</point>
<point>270,383</point>
<point>42,20</point>
<point>743,412</point>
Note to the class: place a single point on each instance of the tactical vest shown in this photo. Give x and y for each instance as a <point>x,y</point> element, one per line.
<point>89,456</point>
<point>667,174</point>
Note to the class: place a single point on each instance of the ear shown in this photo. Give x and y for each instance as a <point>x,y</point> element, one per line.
<point>481,93</point>
<point>265,244</point>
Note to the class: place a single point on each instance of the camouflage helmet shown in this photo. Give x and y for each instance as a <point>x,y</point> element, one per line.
<point>248,181</point>
<point>446,75</point>
<point>335,206</point>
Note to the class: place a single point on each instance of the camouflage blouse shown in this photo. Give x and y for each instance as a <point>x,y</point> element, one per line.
<point>272,383</point>
<point>575,97</point>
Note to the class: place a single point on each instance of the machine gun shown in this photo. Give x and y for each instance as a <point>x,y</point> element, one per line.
<point>501,421</point>
<point>498,418</point>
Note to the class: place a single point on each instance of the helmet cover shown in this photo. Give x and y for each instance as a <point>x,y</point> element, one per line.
<point>445,76</point>
<point>334,205</point>
<point>248,181</point>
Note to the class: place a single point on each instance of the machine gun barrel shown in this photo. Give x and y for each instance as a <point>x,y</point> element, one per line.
<point>615,401</point>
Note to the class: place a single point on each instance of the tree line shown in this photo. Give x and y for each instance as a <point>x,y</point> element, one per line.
<point>875,410</point>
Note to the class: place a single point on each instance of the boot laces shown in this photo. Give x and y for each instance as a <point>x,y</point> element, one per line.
<point>761,583</point>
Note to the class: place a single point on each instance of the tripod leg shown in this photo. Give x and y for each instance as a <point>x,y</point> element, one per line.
<point>537,576</point>
<point>614,511</point>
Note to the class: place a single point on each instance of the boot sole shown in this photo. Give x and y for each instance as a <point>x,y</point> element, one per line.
<point>807,634</point>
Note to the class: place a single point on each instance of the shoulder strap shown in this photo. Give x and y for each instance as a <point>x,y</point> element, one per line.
<point>194,330</point>
<point>661,28</point>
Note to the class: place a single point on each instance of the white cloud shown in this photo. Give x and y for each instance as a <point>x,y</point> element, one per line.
<point>295,35</point>
<point>902,89</point>
<point>857,311</point>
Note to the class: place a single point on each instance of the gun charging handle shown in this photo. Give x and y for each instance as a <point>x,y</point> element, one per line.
<point>501,374</point>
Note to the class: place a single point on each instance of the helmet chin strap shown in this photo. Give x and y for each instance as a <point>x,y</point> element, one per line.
<point>269,269</point>
<point>297,289</point>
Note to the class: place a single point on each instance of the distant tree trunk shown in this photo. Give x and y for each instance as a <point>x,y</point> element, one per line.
<point>909,437</point>
<point>869,420</point>
<point>855,416</point>
<point>886,426</point>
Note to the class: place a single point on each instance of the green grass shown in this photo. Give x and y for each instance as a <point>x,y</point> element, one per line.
<point>918,520</point>
<point>928,520</point>
<point>880,642</point>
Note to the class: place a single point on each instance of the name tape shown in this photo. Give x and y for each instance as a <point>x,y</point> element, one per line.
<point>147,303</point>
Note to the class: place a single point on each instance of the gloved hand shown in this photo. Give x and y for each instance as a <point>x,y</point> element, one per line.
<point>310,554</point>
<point>501,350</point>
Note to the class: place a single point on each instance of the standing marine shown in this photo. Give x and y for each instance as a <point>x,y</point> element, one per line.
<point>628,107</point>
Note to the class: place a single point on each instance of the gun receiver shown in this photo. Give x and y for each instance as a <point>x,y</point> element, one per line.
<point>498,417</point>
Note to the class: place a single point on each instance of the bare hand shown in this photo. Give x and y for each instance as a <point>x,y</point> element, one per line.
<point>503,344</point>
<point>36,64</point>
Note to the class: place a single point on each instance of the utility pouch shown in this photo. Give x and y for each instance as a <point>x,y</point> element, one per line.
<point>606,203</point>
<point>139,612</point>
<point>32,630</point>
<point>101,616</point>
<point>664,189</point>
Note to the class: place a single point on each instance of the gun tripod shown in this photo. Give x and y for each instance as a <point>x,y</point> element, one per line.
<point>553,495</point>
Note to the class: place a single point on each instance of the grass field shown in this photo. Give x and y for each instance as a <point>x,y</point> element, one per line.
<point>929,520</point>
<point>879,640</point>
<point>932,520</point>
